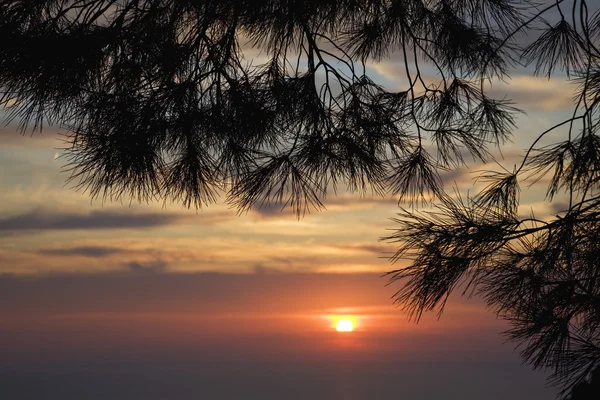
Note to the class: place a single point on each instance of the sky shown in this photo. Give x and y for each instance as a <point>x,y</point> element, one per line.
<point>110,300</point>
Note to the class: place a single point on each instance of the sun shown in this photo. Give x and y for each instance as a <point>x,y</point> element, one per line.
<point>344,325</point>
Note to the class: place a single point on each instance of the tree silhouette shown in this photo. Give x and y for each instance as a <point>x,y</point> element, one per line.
<point>587,390</point>
<point>167,100</point>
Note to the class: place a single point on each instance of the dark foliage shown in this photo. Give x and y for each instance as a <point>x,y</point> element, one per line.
<point>162,101</point>
<point>587,390</point>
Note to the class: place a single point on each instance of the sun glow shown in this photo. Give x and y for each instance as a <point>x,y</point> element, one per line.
<point>344,325</point>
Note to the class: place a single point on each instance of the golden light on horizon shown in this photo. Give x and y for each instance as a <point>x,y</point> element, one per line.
<point>343,320</point>
<point>344,325</point>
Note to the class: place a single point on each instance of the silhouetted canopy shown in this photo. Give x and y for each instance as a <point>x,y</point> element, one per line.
<point>587,390</point>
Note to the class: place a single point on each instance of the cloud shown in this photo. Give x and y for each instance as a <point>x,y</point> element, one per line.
<point>356,202</point>
<point>533,93</point>
<point>536,93</point>
<point>272,209</point>
<point>558,207</point>
<point>147,267</point>
<point>202,293</point>
<point>151,261</point>
<point>333,203</point>
<point>11,137</point>
<point>379,250</point>
<point>126,255</point>
<point>261,269</point>
<point>227,252</point>
<point>85,251</point>
<point>51,220</point>
<point>458,176</point>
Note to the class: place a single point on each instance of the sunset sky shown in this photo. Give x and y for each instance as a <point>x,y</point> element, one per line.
<point>151,302</point>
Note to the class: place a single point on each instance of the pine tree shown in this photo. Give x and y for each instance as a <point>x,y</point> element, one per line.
<point>161,101</point>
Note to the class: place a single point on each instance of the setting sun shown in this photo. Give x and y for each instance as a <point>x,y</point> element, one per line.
<point>344,325</point>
